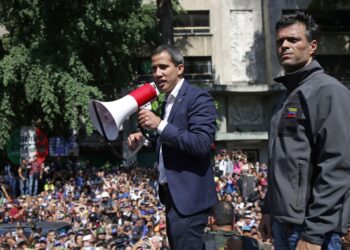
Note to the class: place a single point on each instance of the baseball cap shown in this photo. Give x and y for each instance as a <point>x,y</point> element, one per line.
<point>104,195</point>
<point>63,234</point>
<point>42,239</point>
<point>21,242</point>
<point>57,243</point>
<point>249,216</point>
<point>36,235</point>
<point>70,231</point>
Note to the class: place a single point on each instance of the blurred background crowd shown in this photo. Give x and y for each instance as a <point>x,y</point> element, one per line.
<point>112,208</point>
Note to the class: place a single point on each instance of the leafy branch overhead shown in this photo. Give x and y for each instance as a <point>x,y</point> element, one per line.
<point>57,55</point>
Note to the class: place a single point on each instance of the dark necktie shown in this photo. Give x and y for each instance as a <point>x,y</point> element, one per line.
<point>162,111</point>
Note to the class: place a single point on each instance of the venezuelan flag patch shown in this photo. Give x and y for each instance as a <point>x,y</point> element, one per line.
<point>292,112</point>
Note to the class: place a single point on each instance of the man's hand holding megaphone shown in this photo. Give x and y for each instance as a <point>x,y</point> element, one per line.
<point>147,120</point>
<point>108,117</point>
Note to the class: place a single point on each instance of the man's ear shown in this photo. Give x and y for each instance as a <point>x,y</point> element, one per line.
<point>180,69</point>
<point>313,47</point>
<point>211,220</point>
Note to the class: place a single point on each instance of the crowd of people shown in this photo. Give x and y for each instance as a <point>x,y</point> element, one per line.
<point>244,184</point>
<point>117,208</point>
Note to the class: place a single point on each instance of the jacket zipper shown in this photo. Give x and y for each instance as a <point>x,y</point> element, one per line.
<point>300,173</point>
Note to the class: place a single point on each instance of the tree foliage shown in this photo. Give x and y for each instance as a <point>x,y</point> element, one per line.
<point>59,54</point>
<point>166,18</point>
<point>166,12</point>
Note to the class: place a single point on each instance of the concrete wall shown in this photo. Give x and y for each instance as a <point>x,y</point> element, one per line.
<point>241,43</point>
<point>237,44</point>
<point>195,45</point>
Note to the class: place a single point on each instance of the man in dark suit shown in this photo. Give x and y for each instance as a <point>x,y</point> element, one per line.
<point>185,134</point>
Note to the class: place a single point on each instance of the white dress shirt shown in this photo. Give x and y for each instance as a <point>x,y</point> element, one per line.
<point>169,104</point>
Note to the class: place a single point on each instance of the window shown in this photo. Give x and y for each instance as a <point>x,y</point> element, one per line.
<point>193,19</point>
<point>252,155</point>
<point>329,20</point>
<point>337,66</point>
<point>333,20</point>
<point>198,68</point>
<point>192,22</point>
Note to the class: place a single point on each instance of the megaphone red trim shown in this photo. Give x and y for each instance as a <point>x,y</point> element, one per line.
<point>108,117</point>
<point>145,93</point>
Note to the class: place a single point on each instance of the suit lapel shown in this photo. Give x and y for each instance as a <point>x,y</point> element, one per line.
<point>178,100</point>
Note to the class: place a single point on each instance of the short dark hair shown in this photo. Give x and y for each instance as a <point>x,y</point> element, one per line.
<point>174,53</point>
<point>300,17</point>
<point>51,231</point>
<point>223,213</point>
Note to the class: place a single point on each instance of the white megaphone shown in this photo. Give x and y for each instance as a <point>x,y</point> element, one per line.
<point>108,117</point>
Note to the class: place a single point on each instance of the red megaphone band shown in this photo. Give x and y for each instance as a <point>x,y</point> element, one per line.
<point>145,93</point>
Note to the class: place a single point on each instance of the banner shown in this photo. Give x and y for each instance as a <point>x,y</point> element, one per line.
<point>59,146</point>
<point>26,142</point>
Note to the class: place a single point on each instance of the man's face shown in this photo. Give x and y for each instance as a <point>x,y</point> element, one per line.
<point>247,220</point>
<point>79,240</point>
<point>101,236</point>
<point>51,236</point>
<point>229,198</point>
<point>37,246</point>
<point>293,48</point>
<point>165,73</point>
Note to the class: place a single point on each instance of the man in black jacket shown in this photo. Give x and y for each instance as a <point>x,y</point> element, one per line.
<point>307,204</point>
<point>221,224</point>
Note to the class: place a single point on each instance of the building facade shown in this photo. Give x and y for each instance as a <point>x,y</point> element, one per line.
<point>229,48</point>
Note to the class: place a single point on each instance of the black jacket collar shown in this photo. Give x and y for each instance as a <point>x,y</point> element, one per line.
<point>293,80</point>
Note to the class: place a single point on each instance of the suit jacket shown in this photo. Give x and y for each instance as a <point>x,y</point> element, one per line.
<point>186,142</point>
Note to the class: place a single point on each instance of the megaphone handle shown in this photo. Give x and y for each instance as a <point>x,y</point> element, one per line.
<point>147,135</point>
<point>115,152</point>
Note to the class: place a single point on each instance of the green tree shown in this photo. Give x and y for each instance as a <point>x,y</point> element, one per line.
<point>59,54</point>
<point>165,14</point>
